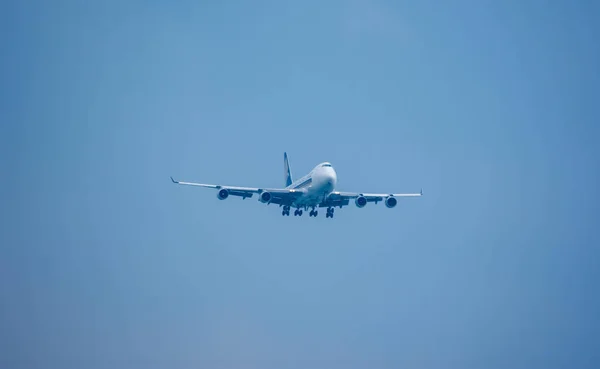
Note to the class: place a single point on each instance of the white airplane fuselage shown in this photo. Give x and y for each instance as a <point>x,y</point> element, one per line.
<point>316,185</point>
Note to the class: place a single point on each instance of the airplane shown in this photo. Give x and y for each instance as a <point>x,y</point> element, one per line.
<point>312,191</point>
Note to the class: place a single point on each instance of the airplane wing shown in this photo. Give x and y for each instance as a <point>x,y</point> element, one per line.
<point>337,198</point>
<point>281,196</point>
<point>376,196</point>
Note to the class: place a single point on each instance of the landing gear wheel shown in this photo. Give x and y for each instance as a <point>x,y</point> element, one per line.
<point>299,213</point>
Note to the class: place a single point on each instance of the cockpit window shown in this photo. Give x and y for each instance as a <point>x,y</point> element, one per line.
<point>326,165</point>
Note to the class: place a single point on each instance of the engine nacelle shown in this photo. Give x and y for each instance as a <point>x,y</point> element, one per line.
<point>265,197</point>
<point>391,201</point>
<point>360,201</point>
<point>223,194</point>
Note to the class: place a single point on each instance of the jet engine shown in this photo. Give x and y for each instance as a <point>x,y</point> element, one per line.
<point>265,197</point>
<point>222,194</point>
<point>360,201</point>
<point>391,201</point>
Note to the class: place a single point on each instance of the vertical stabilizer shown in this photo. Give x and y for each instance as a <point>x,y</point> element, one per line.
<point>287,170</point>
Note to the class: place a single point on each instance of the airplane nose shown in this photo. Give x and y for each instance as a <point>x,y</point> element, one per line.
<point>332,178</point>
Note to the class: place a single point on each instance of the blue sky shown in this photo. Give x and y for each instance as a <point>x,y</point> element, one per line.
<point>491,108</point>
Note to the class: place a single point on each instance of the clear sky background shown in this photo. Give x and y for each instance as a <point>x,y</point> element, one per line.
<point>490,107</point>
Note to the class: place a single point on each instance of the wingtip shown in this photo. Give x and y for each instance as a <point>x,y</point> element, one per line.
<point>421,192</point>
<point>174,181</point>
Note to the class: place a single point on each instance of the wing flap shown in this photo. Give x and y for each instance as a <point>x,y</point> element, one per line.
<point>334,202</point>
<point>239,193</point>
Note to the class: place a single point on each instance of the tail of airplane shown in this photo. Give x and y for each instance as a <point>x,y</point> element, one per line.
<point>287,170</point>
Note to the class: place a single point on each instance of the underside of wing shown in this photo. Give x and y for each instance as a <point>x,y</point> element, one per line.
<point>353,195</point>
<point>282,196</point>
<point>361,199</point>
<point>224,191</point>
<point>335,199</point>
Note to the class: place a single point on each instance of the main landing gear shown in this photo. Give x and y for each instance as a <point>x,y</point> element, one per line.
<point>312,213</point>
<point>286,212</point>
